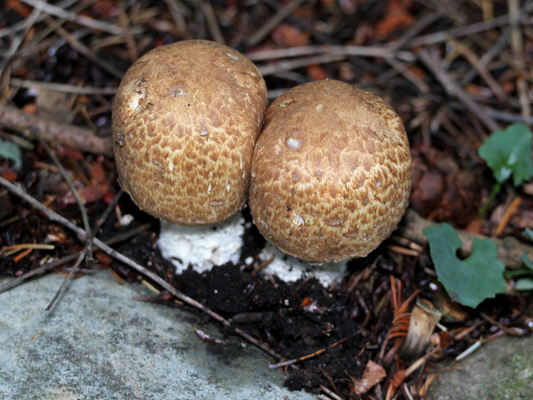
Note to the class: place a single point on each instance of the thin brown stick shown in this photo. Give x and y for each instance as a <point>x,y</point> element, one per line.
<point>283,13</point>
<point>453,89</point>
<point>362,51</point>
<point>325,373</point>
<point>19,26</point>
<point>107,212</point>
<point>62,87</point>
<point>306,357</point>
<point>403,69</point>
<point>63,286</point>
<point>517,44</point>
<point>129,262</point>
<point>482,70</point>
<point>49,265</point>
<point>58,22</point>
<point>76,195</point>
<point>442,36</point>
<point>36,127</point>
<point>81,48</point>
<point>87,252</point>
<point>287,65</point>
<point>418,26</point>
<point>510,331</point>
<point>212,23</point>
<point>486,58</point>
<point>70,16</point>
<point>8,56</point>
<point>175,9</point>
<point>330,393</point>
<point>498,115</point>
<point>130,40</point>
<point>39,270</point>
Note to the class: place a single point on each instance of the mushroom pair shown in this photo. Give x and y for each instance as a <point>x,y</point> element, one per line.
<point>330,173</point>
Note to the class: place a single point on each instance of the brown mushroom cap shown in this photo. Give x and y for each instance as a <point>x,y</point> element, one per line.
<point>185,121</point>
<point>331,172</point>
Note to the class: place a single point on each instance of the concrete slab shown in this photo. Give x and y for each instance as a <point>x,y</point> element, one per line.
<point>501,369</point>
<point>98,343</point>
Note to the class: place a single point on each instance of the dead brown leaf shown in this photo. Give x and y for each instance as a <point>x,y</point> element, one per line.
<point>372,375</point>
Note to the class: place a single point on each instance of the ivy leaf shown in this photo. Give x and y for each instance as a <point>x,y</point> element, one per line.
<point>528,233</point>
<point>527,261</point>
<point>468,281</point>
<point>524,284</point>
<point>11,151</point>
<point>509,152</point>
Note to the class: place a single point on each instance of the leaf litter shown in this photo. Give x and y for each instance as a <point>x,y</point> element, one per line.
<point>344,338</point>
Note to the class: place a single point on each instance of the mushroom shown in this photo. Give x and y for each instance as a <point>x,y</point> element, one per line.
<point>331,172</point>
<point>185,121</point>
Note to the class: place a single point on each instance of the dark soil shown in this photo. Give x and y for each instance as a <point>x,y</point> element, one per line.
<point>294,319</point>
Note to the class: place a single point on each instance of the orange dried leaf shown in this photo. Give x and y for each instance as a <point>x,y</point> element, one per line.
<point>29,108</point>
<point>21,9</point>
<point>372,375</point>
<point>397,17</point>
<point>398,378</point>
<point>289,36</point>
<point>317,73</point>
<point>92,193</point>
<point>9,176</point>
<point>97,173</point>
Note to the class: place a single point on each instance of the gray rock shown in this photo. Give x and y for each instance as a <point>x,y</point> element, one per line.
<point>500,369</point>
<point>98,343</point>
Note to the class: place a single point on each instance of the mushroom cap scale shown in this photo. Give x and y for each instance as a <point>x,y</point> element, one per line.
<point>185,121</point>
<point>331,172</point>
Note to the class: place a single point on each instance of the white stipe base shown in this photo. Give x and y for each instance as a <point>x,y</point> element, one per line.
<point>290,269</point>
<point>202,247</point>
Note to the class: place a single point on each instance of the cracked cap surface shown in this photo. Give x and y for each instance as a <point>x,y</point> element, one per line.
<point>185,121</point>
<point>331,172</point>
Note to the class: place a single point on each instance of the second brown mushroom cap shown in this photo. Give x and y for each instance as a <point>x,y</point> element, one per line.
<point>331,172</point>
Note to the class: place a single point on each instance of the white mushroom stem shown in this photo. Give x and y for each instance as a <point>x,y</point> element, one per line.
<point>202,247</point>
<point>290,269</point>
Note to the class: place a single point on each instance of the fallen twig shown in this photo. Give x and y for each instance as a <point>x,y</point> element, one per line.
<point>88,250</point>
<point>8,56</point>
<point>136,266</point>
<point>517,45</point>
<point>453,89</point>
<point>362,51</point>
<point>19,26</point>
<point>287,65</point>
<point>62,87</point>
<point>82,49</point>
<point>36,127</point>
<point>39,270</point>
<point>80,19</point>
<point>283,13</point>
<point>49,265</point>
<point>442,36</point>
<point>306,357</point>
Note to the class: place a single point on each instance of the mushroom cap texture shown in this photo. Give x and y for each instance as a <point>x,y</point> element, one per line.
<point>331,172</point>
<point>185,121</point>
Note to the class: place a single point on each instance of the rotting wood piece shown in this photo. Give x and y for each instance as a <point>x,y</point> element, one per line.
<point>34,127</point>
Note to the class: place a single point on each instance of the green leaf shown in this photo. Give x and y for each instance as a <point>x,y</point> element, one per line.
<point>528,233</point>
<point>524,284</point>
<point>527,261</point>
<point>11,151</point>
<point>468,281</point>
<point>509,152</point>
